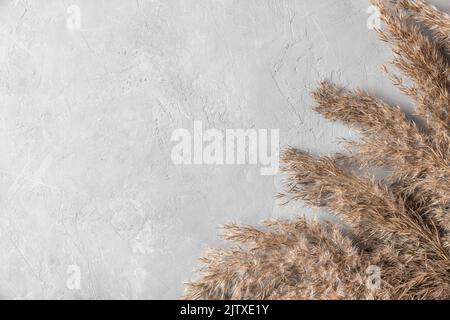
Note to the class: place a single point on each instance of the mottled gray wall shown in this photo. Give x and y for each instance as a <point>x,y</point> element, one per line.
<point>86,116</point>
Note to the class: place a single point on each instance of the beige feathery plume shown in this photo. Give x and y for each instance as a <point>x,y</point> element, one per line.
<point>436,21</point>
<point>399,226</point>
<point>425,63</point>
<point>284,260</point>
<point>419,169</point>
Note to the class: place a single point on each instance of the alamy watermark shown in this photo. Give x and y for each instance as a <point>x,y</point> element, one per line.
<point>373,281</point>
<point>227,147</point>
<point>73,281</point>
<point>374,20</point>
<point>73,21</point>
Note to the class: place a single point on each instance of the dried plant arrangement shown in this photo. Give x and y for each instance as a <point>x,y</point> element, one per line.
<point>397,226</point>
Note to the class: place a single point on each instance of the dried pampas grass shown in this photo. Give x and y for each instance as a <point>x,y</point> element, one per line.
<point>396,240</point>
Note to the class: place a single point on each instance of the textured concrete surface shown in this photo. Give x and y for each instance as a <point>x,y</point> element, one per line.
<point>87,185</point>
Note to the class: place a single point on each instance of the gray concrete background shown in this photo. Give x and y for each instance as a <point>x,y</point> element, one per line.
<point>86,116</point>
